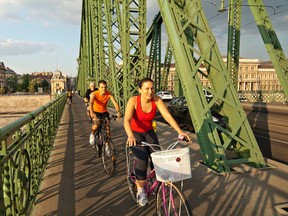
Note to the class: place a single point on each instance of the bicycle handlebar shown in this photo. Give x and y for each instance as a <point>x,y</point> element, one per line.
<point>171,146</point>
<point>115,117</point>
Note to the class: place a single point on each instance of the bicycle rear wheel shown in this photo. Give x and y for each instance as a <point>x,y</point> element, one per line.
<point>131,178</point>
<point>170,200</point>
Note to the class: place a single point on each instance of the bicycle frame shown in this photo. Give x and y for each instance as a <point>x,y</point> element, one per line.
<point>102,129</point>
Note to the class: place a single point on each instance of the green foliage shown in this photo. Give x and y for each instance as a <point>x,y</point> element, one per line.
<point>11,83</point>
<point>33,85</point>
<point>25,82</point>
<point>45,85</point>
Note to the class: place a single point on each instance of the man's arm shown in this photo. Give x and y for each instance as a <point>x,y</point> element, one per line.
<point>87,94</point>
<point>117,108</point>
<point>91,102</point>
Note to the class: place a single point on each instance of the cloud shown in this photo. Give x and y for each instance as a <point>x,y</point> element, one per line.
<point>10,47</point>
<point>43,11</point>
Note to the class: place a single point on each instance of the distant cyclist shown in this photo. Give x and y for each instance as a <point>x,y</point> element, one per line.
<point>69,94</point>
<point>98,108</point>
<point>87,98</point>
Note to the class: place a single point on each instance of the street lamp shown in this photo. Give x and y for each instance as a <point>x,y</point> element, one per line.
<point>222,8</point>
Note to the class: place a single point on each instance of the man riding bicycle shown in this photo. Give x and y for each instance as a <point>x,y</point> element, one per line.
<point>87,98</point>
<point>98,108</point>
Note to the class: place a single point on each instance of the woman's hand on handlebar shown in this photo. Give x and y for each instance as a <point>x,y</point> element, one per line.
<point>184,137</point>
<point>131,141</point>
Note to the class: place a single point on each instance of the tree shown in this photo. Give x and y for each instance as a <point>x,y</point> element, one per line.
<point>33,85</point>
<point>45,85</point>
<point>25,82</point>
<point>11,83</point>
<point>2,89</point>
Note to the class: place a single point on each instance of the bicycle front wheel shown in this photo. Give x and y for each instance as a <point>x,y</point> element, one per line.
<point>108,156</point>
<point>131,177</point>
<point>170,200</point>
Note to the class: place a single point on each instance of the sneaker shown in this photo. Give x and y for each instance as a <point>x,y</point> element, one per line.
<point>141,196</point>
<point>92,139</point>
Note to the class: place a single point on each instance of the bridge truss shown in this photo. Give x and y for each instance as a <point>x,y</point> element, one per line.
<point>113,47</point>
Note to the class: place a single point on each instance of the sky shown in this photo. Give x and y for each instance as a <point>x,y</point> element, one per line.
<point>44,35</point>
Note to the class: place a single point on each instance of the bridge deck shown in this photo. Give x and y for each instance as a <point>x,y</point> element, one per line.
<point>75,183</point>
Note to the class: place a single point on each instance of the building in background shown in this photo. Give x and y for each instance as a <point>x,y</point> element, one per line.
<point>254,77</point>
<point>58,83</point>
<point>42,75</point>
<point>9,72</point>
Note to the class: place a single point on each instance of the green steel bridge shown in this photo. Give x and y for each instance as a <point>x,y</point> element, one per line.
<point>114,43</point>
<point>113,46</point>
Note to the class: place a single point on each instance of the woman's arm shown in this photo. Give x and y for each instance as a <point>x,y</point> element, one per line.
<point>167,116</point>
<point>130,108</point>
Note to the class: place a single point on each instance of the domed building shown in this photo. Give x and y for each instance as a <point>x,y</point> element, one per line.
<point>58,83</point>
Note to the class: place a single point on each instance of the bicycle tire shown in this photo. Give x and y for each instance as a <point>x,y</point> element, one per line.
<point>177,206</point>
<point>108,156</point>
<point>131,178</point>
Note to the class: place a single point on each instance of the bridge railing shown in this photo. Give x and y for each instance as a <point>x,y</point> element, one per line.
<point>25,148</point>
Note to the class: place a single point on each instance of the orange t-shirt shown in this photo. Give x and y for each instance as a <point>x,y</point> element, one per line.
<point>100,101</point>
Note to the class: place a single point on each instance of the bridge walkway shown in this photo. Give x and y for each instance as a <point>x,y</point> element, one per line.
<point>75,184</point>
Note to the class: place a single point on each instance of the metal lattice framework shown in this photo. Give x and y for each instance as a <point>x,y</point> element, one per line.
<point>233,46</point>
<point>271,42</point>
<point>113,47</point>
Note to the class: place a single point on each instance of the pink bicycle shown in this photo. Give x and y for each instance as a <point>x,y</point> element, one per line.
<point>170,200</point>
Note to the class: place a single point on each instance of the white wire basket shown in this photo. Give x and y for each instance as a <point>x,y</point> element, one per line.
<point>172,165</point>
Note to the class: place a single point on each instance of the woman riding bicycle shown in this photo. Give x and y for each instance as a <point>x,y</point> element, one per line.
<point>139,113</point>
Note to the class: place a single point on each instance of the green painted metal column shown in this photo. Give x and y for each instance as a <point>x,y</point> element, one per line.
<point>166,67</point>
<point>154,62</point>
<point>180,19</point>
<point>233,46</point>
<point>114,56</point>
<point>133,43</point>
<point>271,42</point>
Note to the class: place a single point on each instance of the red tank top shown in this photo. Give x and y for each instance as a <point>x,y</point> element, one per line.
<point>141,121</point>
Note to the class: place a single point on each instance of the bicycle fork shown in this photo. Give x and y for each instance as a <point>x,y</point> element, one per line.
<point>171,200</point>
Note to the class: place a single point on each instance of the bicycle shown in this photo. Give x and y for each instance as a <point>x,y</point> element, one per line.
<point>170,199</point>
<point>105,148</point>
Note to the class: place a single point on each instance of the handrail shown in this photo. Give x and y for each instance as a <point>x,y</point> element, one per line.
<point>25,147</point>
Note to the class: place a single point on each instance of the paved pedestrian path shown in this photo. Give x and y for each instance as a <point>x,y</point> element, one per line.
<point>75,184</point>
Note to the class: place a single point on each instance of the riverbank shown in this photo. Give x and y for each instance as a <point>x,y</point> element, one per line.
<point>13,107</point>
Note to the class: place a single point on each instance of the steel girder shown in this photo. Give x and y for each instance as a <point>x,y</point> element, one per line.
<point>133,44</point>
<point>89,56</point>
<point>271,42</point>
<point>166,67</point>
<point>233,46</point>
<point>114,54</point>
<point>154,62</point>
<point>190,52</point>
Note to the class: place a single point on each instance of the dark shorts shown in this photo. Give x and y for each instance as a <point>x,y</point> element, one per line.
<point>102,115</point>
<point>142,153</point>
